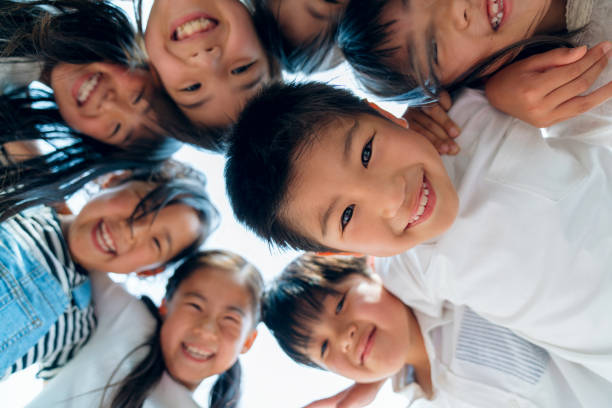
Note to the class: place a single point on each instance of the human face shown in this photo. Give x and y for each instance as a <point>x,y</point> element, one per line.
<point>105,101</point>
<point>208,323</point>
<point>448,37</point>
<point>101,238</point>
<point>207,55</point>
<point>364,333</point>
<point>302,20</point>
<point>368,185</point>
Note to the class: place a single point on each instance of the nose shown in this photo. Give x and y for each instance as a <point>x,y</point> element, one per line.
<point>206,328</point>
<point>209,57</point>
<point>459,14</point>
<point>389,196</point>
<point>347,337</point>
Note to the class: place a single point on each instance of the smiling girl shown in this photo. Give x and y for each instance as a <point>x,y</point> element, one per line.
<point>207,319</point>
<point>208,57</point>
<point>141,222</point>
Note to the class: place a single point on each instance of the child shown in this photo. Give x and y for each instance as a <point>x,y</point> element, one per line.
<point>145,221</point>
<point>508,227</point>
<point>395,49</point>
<point>333,313</point>
<point>211,303</point>
<point>300,34</point>
<point>208,57</point>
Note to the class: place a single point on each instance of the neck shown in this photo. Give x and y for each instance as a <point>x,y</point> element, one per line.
<point>419,359</point>
<point>554,19</point>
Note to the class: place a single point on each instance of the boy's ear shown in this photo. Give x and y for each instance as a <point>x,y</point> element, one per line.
<point>114,179</point>
<point>150,272</point>
<point>249,341</point>
<point>163,308</point>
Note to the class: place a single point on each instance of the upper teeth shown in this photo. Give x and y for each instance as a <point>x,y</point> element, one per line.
<point>191,27</point>
<point>88,86</point>
<point>496,12</point>
<point>198,352</point>
<point>105,239</point>
<point>422,205</point>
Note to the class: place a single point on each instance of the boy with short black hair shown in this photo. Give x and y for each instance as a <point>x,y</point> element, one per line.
<point>333,313</point>
<point>329,172</point>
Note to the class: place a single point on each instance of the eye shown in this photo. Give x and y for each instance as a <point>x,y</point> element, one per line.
<point>116,130</point>
<point>324,348</point>
<point>138,97</point>
<point>195,306</point>
<point>232,319</point>
<point>242,69</point>
<point>157,244</point>
<point>366,152</point>
<point>434,51</point>
<point>347,215</point>
<point>340,304</point>
<point>192,88</point>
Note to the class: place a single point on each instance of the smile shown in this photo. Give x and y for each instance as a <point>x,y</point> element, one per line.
<point>193,26</point>
<point>103,238</point>
<point>87,87</point>
<point>368,346</point>
<point>495,9</point>
<point>197,353</point>
<point>427,201</point>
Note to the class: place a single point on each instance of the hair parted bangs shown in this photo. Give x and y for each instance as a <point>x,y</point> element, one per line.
<point>293,303</point>
<point>274,128</point>
<point>308,57</point>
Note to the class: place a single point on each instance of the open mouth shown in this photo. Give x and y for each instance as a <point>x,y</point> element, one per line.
<point>495,10</point>
<point>197,353</point>
<point>86,89</point>
<point>427,200</point>
<point>368,345</point>
<point>103,238</point>
<point>193,26</point>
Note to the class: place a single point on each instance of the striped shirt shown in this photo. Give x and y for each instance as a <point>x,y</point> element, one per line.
<point>38,229</point>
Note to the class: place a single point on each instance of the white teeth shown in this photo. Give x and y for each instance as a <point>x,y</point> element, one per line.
<point>191,27</point>
<point>104,238</point>
<point>422,205</point>
<point>88,86</point>
<point>198,352</point>
<point>496,13</point>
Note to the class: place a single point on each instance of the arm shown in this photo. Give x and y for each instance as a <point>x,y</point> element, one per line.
<point>356,396</point>
<point>547,88</point>
<point>433,122</point>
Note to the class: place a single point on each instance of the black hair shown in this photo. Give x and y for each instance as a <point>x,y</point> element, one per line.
<point>293,302</point>
<point>364,40</point>
<point>307,57</point>
<point>274,128</point>
<point>135,387</point>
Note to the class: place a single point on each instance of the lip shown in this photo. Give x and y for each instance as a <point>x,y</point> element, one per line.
<point>191,357</point>
<point>429,207</point>
<point>77,87</point>
<point>96,241</point>
<point>192,16</point>
<point>506,7</point>
<point>366,347</point>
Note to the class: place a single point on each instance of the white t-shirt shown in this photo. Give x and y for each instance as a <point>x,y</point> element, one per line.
<point>475,363</point>
<point>124,322</point>
<point>531,248</point>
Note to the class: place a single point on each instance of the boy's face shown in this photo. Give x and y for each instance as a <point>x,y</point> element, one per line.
<point>457,34</point>
<point>302,20</point>
<point>368,185</point>
<point>207,55</point>
<point>101,238</point>
<point>364,333</point>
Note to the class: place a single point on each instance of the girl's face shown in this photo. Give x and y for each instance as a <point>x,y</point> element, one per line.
<point>101,238</point>
<point>454,35</point>
<point>207,324</point>
<point>105,101</point>
<point>207,55</point>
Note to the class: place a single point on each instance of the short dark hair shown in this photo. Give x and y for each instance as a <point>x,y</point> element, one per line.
<point>274,128</point>
<point>293,302</point>
<point>306,57</point>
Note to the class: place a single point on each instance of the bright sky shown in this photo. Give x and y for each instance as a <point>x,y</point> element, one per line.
<point>270,378</point>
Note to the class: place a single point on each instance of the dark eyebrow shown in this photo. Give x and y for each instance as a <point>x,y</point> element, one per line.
<point>348,141</point>
<point>195,104</point>
<point>198,295</point>
<point>325,217</point>
<point>168,238</point>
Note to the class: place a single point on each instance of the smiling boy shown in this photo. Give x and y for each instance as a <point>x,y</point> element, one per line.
<point>531,226</point>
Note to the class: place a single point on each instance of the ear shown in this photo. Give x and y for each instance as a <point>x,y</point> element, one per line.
<point>150,272</point>
<point>114,179</point>
<point>163,308</point>
<point>249,341</point>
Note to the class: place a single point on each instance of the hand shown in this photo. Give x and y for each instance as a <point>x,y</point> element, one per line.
<point>546,88</point>
<point>357,396</point>
<point>433,122</point>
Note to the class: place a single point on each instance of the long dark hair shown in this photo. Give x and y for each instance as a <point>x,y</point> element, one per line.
<point>136,386</point>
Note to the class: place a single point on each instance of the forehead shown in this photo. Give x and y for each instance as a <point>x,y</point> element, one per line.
<point>216,285</point>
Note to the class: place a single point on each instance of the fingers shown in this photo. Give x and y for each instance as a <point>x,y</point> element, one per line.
<point>437,135</point>
<point>595,57</point>
<point>444,100</point>
<point>581,104</point>
<point>554,58</point>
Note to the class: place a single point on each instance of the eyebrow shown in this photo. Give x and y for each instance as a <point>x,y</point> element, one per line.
<point>324,219</point>
<point>348,141</point>
<point>168,238</point>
